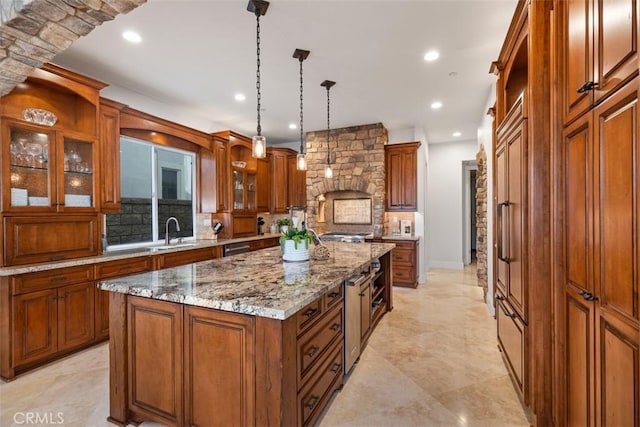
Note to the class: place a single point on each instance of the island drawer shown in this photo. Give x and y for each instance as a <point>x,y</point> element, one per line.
<point>334,296</point>
<point>122,267</point>
<point>308,315</point>
<point>316,392</point>
<point>52,278</point>
<point>175,259</point>
<point>313,345</point>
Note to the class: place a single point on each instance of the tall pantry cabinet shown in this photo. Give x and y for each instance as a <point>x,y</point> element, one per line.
<point>521,247</point>
<point>597,221</point>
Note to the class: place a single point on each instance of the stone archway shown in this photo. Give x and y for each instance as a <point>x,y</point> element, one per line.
<point>33,32</point>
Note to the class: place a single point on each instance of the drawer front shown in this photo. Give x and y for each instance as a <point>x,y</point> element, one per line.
<point>403,256</point>
<point>403,245</point>
<point>184,257</point>
<point>334,296</point>
<point>122,267</point>
<point>313,344</point>
<point>511,338</point>
<point>404,274</point>
<point>52,279</point>
<point>314,396</point>
<point>308,315</point>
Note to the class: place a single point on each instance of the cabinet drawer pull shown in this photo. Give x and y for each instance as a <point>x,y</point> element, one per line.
<point>334,295</point>
<point>506,313</point>
<point>587,87</point>
<point>312,402</point>
<point>499,297</point>
<point>58,279</point>
<point>335,368</point>
<point>125,267</point>
<point>335,327</point>
<point>311,312</point>
<point>313,351</point>
<point>587,295</point>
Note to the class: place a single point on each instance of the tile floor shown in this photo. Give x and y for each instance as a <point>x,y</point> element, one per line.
<point>432,361</point>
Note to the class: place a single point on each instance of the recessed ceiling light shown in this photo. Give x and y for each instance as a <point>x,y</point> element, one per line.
<point>239,97</point>
<point>436,105</point>
<point>132,36</point>
<point>456,134</point>
<point>432,55</point>
<point>292,126</point>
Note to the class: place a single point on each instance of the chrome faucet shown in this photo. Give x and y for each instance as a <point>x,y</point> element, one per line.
<point>167,240</point>
<point>316,239</point>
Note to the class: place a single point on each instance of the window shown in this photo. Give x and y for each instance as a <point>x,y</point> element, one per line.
<point>157,183</point>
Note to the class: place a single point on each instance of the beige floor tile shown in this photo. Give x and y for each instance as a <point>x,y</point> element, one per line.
<point>432,361</point>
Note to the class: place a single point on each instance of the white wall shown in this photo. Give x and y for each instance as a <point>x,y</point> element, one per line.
<point>444,187</point>
<point>485,137</point>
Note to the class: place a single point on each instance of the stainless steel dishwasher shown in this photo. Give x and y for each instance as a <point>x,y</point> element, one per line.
<point>236,248</point>
<point>352,319</point>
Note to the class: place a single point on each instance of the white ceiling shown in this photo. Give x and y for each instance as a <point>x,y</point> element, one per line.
<point>195,55</point>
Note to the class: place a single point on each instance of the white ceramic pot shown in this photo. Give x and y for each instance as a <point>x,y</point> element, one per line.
<point>291,253</point>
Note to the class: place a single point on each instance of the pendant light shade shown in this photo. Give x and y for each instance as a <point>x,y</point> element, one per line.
<point>328,171</point>
<point>258,142</point>
<point>301,161</point>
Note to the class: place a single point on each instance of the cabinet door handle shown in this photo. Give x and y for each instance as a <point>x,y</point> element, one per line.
<point>336,367</point>
<point>587,295</point>
<point>335,327</point>
<point>506,313</point>
<point>311,312</point>
<point>499,297</point>
<point>312,402</point>
<point>587,87</point>
<point>313,351</point>
<point>500,231</point>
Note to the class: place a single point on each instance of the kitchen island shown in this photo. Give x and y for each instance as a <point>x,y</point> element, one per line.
<point>243,340</point>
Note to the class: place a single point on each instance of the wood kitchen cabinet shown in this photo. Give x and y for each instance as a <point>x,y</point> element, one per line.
<point>297,183</point>
<point>405,262</point>
<point>401,162</point>
<point>597,51</point>
<point>600,324</point>
<point>263,195</point>
<point>279,178</point>
<point>51,314</point>
<point>109,136</point>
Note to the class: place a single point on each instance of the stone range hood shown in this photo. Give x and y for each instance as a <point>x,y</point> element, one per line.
<point>358,161</point>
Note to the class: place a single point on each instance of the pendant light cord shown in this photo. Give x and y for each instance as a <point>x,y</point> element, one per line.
<point>328,127</point>
<point>259,128</point>
<point>301,114</point>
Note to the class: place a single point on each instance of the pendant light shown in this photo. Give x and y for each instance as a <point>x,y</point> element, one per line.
<point>328,171</point>
<point>258,142</point>
<point>301,161</point>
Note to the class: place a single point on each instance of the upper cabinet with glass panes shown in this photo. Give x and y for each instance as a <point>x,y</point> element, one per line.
<point>50,123</point>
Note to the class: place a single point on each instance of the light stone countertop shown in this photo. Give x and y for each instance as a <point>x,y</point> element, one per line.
<point>256,283</point>
<point>124,254</point>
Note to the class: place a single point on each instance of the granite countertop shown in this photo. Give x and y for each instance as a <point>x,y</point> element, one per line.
<point>126,253</point>
<point>401,237</point>
<point>256,283</point>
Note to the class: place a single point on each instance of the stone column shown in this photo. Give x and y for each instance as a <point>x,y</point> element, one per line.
<point>481,219</point>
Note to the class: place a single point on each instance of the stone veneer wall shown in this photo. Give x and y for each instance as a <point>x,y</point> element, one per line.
<point>33,32</point>
<point>357,157</point>
<point>481,219</point>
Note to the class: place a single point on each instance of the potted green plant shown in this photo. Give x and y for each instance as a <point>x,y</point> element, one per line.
<point>295,245</point>
<point>284,224</point>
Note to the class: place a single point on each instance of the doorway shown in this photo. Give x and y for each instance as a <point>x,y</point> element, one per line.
<point>469,228</point>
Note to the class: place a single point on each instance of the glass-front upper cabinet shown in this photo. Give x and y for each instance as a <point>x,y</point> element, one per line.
<point>31,157</point>
<point>78,167</point>
<point>47,171</point>
<point>244,190</point>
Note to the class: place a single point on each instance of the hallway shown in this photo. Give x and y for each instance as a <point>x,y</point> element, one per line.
<point>432,361</point>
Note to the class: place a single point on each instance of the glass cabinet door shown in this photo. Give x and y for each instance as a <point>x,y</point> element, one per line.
<point>78,167</point>
<point>30,167</point>
<point>251,191</point>
<point>238,190</point>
